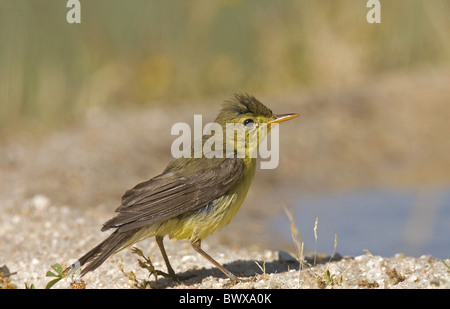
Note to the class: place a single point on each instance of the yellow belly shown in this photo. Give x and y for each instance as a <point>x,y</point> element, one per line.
<point>202,222</point>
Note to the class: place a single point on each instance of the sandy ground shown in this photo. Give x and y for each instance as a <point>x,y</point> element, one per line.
<point>56,190</point>
<point>38,234</point>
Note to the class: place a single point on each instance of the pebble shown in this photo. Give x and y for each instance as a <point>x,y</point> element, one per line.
<point>40,202</point>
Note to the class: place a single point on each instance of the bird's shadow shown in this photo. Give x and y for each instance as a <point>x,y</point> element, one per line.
<point>243,269</point>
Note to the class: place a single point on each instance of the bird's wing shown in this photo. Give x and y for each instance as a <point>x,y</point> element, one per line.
<point>175,192</point>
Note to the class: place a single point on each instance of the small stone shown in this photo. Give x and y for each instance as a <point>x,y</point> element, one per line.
<point>40,202</point>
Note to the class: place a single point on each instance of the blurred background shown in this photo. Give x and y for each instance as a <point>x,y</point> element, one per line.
<point>86,110</point>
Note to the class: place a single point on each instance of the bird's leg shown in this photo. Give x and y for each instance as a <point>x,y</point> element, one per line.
<point>197,247</point>
<point>159,241</point>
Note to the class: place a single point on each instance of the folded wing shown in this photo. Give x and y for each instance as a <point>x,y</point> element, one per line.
<point>175,192</point>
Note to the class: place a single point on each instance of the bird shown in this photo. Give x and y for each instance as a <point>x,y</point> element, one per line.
<point>194,196</point>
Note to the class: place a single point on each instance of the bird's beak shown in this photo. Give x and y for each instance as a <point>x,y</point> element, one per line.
<point>283,117</point>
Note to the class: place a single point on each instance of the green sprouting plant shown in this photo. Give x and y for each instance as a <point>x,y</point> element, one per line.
<point>59,275</point>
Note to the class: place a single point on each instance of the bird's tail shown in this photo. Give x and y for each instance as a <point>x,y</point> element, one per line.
<point>96,256</point>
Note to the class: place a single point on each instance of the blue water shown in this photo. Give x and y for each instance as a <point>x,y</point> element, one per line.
<point>384,221</point>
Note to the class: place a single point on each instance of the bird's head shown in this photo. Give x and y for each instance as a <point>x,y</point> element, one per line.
<point>254,118</point>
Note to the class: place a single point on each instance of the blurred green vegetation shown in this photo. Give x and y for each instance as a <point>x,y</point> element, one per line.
<point>132,53</point>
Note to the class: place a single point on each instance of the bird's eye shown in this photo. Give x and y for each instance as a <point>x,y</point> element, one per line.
<point>248,123</point>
